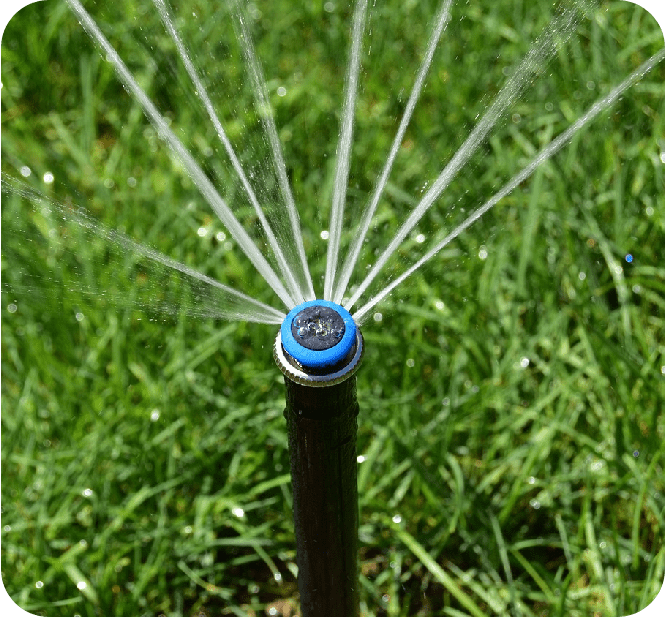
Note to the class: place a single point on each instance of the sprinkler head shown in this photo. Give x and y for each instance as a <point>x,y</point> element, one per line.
<point>318,344</point>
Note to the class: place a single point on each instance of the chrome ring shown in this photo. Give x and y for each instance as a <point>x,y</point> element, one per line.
<point>298,374</point>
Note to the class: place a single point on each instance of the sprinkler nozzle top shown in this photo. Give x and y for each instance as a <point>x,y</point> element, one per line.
<point>318,334</point>
<point>318,342</point>
<point>318,327</point>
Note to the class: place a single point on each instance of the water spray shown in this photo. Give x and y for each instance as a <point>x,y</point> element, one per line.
<point>319,349</point>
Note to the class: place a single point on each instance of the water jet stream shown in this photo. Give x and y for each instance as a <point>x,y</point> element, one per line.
<point>266,114</point>
<point>344,147</point>
<point>554,146</point>
<point>441,21</point>
<point>544,47</point>
<point>293,286</point>
<point>196,173</point>
<point>229,303</point>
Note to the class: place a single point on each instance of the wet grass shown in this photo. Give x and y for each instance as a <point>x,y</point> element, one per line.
<point>512,395</point>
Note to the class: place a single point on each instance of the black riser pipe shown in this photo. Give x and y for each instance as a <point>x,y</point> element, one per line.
<point>322,429</point>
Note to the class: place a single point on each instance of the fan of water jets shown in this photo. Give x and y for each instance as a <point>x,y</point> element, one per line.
<point>287,271</point>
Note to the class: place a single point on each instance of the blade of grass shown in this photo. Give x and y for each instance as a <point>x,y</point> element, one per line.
<point>436,570</point>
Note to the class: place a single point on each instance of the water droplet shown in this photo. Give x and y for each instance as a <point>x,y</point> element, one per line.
<point>636,453</point>
<point>278,576</point>
<point>439,305</point>
<point>329,7</point>
<point>7,528</point>
<point>385,598</point>
<point>12,308</point>
<point>272,611</point>
<point>81,585</point>
<point>532,480</point>
<point>187,529</point>
<point>202,231</point>
<point>154,415</point>
<point>325,235</point>
<point>48,177</point>
<point>397,519</point>
<point>482,253</point>
<point>220,236</point>
<point>662,370</point>
<point>254,11</point>
<point>239,512</point>
<point>420,238</point>
<point>445,402</point>
<point>524,362</point>
<point>87,492</point>
<point>410,362</point>
<point>629,258</point>
<point>131,182</point>
<point>26,171</point>
<point>108,183</point>
<point>535,504</point>
<point>281,91</point>
<point>662,157</point>
<point>649,209</point>
<point>80,317</point>
<point>39,584</point>
<point>516,118</point>
<point>378,316</point>
<point>361,459</point>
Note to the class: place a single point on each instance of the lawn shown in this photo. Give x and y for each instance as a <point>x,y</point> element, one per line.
<point>512,395</point>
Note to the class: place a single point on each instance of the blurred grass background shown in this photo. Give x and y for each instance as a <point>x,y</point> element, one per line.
<point>511,428</point>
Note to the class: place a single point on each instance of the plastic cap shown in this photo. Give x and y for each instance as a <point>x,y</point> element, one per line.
<point>318,333</point>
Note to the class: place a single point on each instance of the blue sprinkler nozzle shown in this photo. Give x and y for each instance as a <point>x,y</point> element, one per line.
<point>318,344</point>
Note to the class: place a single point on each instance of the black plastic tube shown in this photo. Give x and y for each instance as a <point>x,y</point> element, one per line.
<point>319,350</point>
<point>322,429</point>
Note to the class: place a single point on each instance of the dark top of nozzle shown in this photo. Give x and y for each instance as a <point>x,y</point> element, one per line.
<point>318,327</point>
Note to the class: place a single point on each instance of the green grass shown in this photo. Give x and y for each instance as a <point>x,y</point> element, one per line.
<point>512,394</point>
